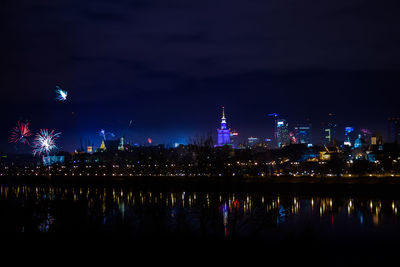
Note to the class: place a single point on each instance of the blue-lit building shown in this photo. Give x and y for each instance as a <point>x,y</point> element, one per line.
<point>234,139</point>
<point>349,136</point>
<point>303,135</point>
<point>358,143</point>
<point>282,133</point>
<point>50,160</point>
<point>224,133</point>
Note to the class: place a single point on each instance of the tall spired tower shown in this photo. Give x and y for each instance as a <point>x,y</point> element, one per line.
<point>224,134</point>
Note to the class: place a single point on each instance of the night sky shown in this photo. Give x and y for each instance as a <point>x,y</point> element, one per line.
<point>169,66</point>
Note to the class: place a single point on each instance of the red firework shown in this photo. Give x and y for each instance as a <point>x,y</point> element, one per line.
<point>20,133</point>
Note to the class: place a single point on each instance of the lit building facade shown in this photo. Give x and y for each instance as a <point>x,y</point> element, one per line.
<point>303,134</point>
<point>224,133</point>
<point>252,141</point>
<point>121,145</point>
<point>349,136</point>
<point>282,133</point>
<point>358,143</point>
<point>234,139</point>
<point>50,160</point>
<point>376,139</point>
<point>275,116</point>
<point>330,130</point>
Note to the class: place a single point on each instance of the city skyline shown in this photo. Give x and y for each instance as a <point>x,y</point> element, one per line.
<point>294,133</point>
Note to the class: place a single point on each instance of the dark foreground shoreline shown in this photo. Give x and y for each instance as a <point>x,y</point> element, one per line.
<point>386,187</point>
<point>301,246</point>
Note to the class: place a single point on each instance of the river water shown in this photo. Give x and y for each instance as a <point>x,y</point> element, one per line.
<point>339,225</point>
<point>127,212</point>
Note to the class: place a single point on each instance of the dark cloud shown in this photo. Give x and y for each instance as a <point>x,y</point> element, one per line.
<point>155,58</point>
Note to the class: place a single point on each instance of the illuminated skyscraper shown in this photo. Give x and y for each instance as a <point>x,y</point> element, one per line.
<point>358,142</point>
<point>282,132</point>
<point>349,136</point>
<point>121,145</point>
<point>275,116</point>
<point>330,130</point>
<point>394,130</point>
<point>224,134</point>
<point>302,133</point>
<point>234,138</point>
<point>252,141</point>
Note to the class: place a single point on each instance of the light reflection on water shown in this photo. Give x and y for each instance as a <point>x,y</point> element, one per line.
<point>255,215</point>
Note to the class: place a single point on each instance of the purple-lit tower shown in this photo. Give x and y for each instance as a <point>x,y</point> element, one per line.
<point>224,134</point>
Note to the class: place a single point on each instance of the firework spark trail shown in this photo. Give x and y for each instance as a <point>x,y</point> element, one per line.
<point>105,134</point>
<point>20,133</point>
<point>61,94</point>
<point>45,142</point>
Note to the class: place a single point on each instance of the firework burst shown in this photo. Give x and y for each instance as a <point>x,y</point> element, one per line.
<point>45,142</point>
<point>105,134</point>
<point>61,94</point>
<point>20,133</point>
<point>102,133</point>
